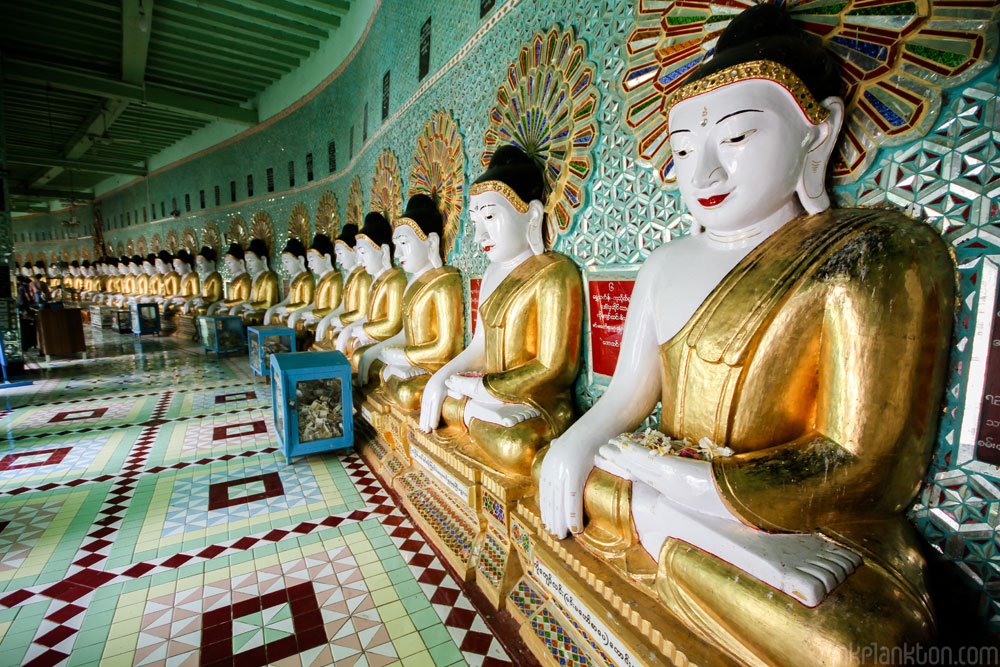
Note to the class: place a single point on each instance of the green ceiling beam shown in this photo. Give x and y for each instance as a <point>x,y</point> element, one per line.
<point>217,66</point>
<point>101,116</point>
<point>135,41</point>
<point>211,27</point>
<point>151,94</point>
<point>296,12</point>
<point>339,6</point>
<point>92,166</point>
<point>48,193</point>
<point>238,11</point>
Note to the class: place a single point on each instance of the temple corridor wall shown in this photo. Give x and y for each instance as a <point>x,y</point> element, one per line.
<point>949,177</point>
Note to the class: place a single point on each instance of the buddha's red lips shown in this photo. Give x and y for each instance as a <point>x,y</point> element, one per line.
<point>713,201</point>
<point>487,247</point>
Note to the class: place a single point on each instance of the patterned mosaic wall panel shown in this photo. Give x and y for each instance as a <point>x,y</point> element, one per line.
<point>950,178</point>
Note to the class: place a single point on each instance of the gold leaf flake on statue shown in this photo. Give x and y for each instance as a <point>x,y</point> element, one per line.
<point>439,171</point>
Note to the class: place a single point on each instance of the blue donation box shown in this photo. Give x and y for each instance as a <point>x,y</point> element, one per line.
<point>311,394</point>
<point>221,334</point>
<point>266,340</point>
<point>145,318</point>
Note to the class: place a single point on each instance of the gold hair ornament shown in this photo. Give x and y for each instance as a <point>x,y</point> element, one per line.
<point>412,224</point>
<point>756,69</point>
<point>503,190</point>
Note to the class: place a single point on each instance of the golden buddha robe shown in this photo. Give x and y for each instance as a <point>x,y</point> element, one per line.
<point>301,292</point>
<point>433,328</point>
<point>155,284</point>
<point>357,289</point>
<point>78,283</point>
<point>329,291</point>
<point>190,286</point>
<point>128,285</point>
<point>820,360</point>
<point>142,285</point>
<point>211,291</point>
<point>264,293</point>
<point>171,285</point>
<point>385,311</point>
<point>239,290</point>
<point>532,322</point>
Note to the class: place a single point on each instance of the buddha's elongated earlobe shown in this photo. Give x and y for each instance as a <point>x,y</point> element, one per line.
<point>386,256</point>
<point>811,187</point>
<point>535,216</point>
<point>434,250</point>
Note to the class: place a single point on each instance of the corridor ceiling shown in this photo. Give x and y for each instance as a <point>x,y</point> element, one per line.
<point>93,88</point>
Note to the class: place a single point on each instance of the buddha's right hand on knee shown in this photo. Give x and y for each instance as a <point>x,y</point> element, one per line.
<point>432,401</point>
<point>561,481</point>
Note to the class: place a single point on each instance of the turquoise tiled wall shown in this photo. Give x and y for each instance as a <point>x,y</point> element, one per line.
<point>950,178</point>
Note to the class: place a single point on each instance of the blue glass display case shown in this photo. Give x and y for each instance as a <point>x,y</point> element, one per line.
<point>266,340</point>
<point>100,317</point>
<point>121,321</point>
<point>145,318</point>
<point>222,334</point>
<point>311,397</point>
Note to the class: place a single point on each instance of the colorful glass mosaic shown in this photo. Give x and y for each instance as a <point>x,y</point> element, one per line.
<point>172,242</point>
<point>520,536</point>
<point>412,481</point>
<point>584,634</point>
<point>394,466</point>
<point>525,598</point>
<point>547,106</point>
<point>327,215</point>
<point>438,170</point>
<point>387,187</point>
<point>494,508</point>
<point>493,559</point>
<point>895,57</point>
<point>189,240</point>
<point>210,237</point>
<point>355,213</point>
<point>451,525</point>
<point>262,228</point>
<point>561,644</point>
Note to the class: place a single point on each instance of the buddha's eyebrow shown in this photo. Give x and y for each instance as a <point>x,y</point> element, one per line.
<point>736,113</point>
<point>677,132</point>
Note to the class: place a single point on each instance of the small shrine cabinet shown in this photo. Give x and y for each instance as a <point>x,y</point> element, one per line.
<point>222,334</point>
<point>121,321</point>
<point>266,340</point>
<point>145,318</point>
<point>311,394</point>
<point>100,317</point>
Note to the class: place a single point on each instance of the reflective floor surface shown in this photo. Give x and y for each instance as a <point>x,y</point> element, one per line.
<point>148,518</point>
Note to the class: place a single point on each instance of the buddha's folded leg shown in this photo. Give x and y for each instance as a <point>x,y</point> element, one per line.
<point>374,374</point>
<point>253,318</point>
<point>406,393</point>
<point>453,412</point>
<point>511,449</point>
<point>759,625</point>
<point>354,352</point>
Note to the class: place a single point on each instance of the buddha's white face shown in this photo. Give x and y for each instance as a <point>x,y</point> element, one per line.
<point>501,230</point>
<point>134,269</point>
<point>739,152</point>
<point>161,266</point>
<point>203,265</point>
<point>369,255</point>
<point>255,264</point>
<point>148,268</point>
<point>318,264</point>
<point>181,267</point>
<point>122,270</point>
<point>292,264</point>
<point>346,257</point>
<point>412,253</point>
<point>235,266</point>
<point>74,271</point>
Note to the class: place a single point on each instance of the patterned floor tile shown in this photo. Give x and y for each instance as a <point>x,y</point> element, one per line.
<point>42,461</point>
<point>247,429</point>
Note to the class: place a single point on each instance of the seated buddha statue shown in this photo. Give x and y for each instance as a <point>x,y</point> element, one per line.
<point>170,281</point>
<point>264,290</point>
<point>811,343</point>
<point>433,319</point>
<point>357,283</point>
<point>210,281</point>
<point>190,283</point>
<point>329,286</point>
<point>126,282</point>
<point>239,286</point>
<point>511,388</point>
<point>384,317</point>
<point>300,290</point>
<point>141,291</point>
<point>75,280</point>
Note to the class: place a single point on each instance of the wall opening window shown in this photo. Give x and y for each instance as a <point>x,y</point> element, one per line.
<point>218,196</point>
<point>187,203</point>
<point>309,167</point>
<point>331,156</point>
<point>145,216</point>
<point>163,209</point>
<point>270,179</point>
<point>249,185</point>
<point>291,173</point>
<point>201,197</point>
<point>232,190</point>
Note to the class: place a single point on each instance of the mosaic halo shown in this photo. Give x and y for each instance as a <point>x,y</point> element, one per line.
<point>327,217</point>
<point>189,240</point>
<point>76,253</point>
<point>298,224</point>
<point>895,59</point>
<point>237,232</point>
<point>172,242</point>
<point>65,253</point>
<point>119,251</point>
<point>261,227</point>
<point>85,253</point>
<point>141,247</point>
<point>155,244</point>
<point>129,249</point>
<point>355,205</point>
<point>439,171</point>
<point>547,106</point>
<point>210,237</point>
<point>387,187</point>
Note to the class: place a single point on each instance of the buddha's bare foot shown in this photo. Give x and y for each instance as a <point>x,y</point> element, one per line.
<point>504,414</point>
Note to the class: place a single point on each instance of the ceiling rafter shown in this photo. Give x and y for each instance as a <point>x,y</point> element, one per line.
<point>95,166</point>
<point>239,11</point>
<point>154,95</point>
